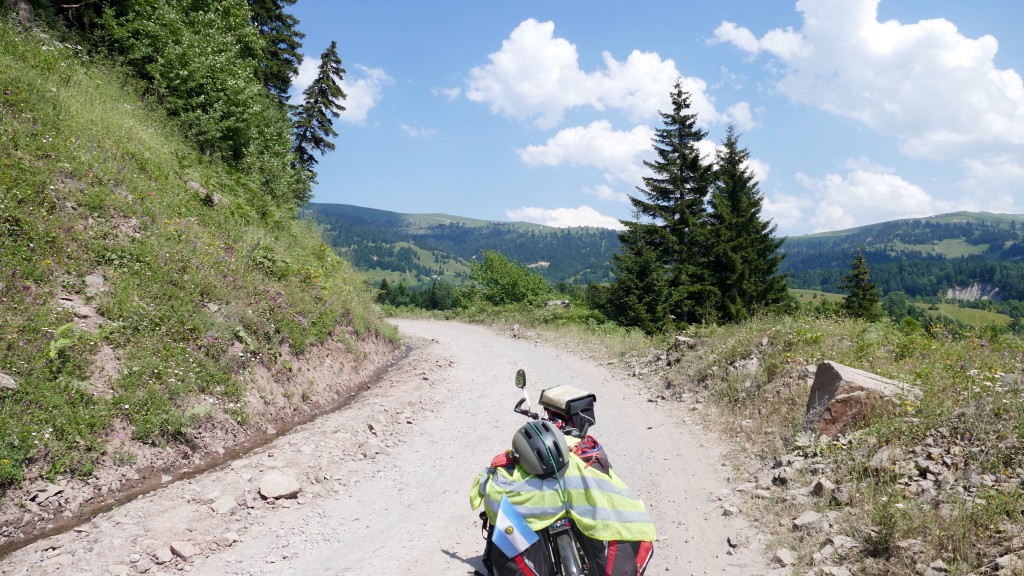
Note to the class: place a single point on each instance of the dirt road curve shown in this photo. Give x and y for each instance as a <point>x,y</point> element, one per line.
<point>385,481</point>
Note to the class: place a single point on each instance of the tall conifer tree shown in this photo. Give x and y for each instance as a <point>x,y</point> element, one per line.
<point>673,203</point>
<point>321,104</point>
<point>862,295</point>
<point>639,296</point>
<point>282,42</point>
<point>745,254</point>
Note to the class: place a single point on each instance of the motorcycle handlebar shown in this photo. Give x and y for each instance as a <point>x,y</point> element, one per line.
<point>520,410</point>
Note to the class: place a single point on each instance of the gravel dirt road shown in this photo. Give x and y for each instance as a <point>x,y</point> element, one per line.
<point>385,481</point>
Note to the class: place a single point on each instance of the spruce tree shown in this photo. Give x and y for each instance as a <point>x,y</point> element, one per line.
<point>744,252</point>
<point>862,296</point>
<point>639,295</point>
<point>314,124</point>
<point>673,203</point>
<point>282,42</point>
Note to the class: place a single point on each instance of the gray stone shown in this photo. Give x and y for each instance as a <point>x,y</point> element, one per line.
<point>45,493</point>
<point>749,365</point>
<point>118,570</point>
<point>95,284</point>
<point>937,568</point>
<point>371,449</point>
<point>807,521</point>
<point>1010,565</point>
<point>782,476</point>
<point>840,542</point>
<point>162,555</point>
<point>223,505</point>
<point>842,398</point>
<point>7,383</point>
<point>683,341</point>
<point>884,460</point>
<point>824,556</point>
<point>184,550</point>
<point>227,539</point>
<point>277,484</point>
<point>784,557</point>
<point>822,487</point>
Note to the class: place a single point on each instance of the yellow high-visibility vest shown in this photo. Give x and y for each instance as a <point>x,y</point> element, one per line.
<point>599,504</point>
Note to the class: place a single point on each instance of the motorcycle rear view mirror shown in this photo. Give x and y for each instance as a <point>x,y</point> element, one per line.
<point>521,384</point>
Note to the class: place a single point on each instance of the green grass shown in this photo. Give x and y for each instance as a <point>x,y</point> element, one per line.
<point>813,296</point>
<point>412,279</point>
<point>948,248</point>
<point>93,181</point>
<point>966,316</point>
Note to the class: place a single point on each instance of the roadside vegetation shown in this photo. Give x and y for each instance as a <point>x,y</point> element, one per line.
<point>144,271</point>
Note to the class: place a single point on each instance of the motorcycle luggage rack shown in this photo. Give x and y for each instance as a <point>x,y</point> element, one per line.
<point>571,405</point>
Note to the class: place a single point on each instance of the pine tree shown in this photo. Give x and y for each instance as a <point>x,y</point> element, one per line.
<point>282,42</point>
<point>744,252</point>
<point>862,296</point>
<point>674,201</point>
<point>314,124</point>
<point>639,295</point>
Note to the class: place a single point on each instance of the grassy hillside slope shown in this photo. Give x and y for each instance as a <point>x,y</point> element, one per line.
<point>149,297</point>
<point>372,240</point>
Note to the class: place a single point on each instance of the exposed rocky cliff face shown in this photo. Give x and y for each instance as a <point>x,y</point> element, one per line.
<point>976,291</point>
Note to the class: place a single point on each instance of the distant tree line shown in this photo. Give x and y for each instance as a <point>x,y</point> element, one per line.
<point>223,70</point>
<point>916,257</point>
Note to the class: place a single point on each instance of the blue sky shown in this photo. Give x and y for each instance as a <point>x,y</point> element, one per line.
<point>854,111</point>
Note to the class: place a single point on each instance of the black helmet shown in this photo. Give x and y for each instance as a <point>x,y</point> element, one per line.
<point>540,448</point>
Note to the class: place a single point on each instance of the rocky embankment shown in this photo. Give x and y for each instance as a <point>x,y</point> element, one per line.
<point>331,374</point>
<point>812,504</point>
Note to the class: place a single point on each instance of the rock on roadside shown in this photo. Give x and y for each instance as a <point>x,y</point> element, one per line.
<point>841,398</point>
<point>7,383</point>
<point>278,485</point>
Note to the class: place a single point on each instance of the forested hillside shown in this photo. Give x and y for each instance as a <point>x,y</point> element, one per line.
<point>924,257</point>
<point>377,241</point>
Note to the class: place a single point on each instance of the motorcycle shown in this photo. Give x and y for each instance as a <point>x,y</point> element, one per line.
<point>561,548</point>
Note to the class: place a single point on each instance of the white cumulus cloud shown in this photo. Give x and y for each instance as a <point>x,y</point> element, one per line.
<point>537,77</point>
<point>616,153</point>
<point>363,93</point>
<point>937,91</point>
<point>564,217</point>
<point>785,210</point>
<point>863,196</point>
<point>606,193</point>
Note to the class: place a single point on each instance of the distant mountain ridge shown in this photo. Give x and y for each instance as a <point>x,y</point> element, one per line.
<point>965,255</point>
<point>944,255</point>
<point>420,248</point>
